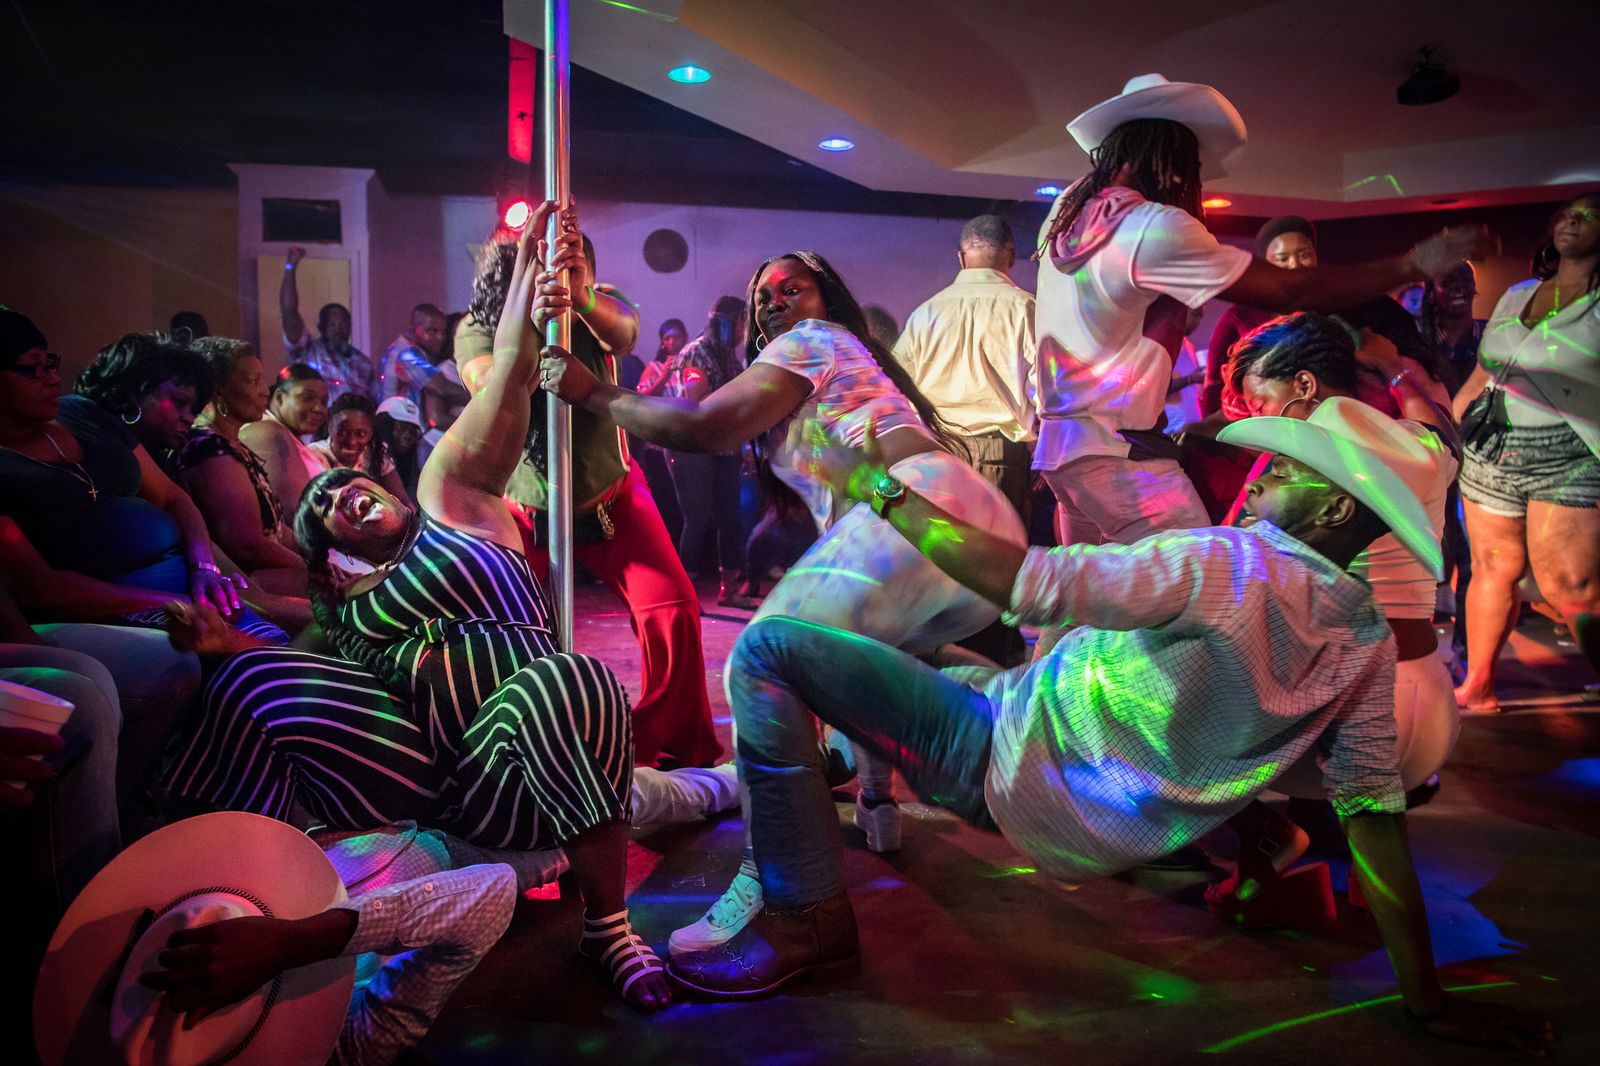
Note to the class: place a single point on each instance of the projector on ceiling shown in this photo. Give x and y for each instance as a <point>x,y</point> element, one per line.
<point>1429,82</point>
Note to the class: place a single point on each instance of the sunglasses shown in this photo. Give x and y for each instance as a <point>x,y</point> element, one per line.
<point>37,371</point>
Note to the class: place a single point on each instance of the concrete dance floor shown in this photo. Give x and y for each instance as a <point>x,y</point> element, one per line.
<point>969,956</point>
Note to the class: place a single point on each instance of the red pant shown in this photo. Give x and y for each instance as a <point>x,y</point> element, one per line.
<point>672,717</point>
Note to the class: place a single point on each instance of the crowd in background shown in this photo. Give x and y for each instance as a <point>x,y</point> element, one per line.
<point>173,470</point>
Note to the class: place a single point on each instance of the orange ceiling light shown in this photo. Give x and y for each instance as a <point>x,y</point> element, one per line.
<point>1216,203</point>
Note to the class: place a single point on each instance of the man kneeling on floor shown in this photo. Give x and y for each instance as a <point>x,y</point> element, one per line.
<point>1203,665</point>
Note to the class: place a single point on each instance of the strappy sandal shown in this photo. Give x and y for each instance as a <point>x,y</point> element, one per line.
<point>611,944</point>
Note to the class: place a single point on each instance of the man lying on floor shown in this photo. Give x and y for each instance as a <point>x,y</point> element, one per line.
<point>1203,665</point>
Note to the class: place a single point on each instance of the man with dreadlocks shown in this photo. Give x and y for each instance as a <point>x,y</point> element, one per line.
<point>1123,254</point>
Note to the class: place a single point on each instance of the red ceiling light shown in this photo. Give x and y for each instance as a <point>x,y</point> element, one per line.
<point>516,214</point>
<point>1216,203</point>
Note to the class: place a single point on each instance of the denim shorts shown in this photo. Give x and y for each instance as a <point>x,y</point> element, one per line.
<point>1505,467</point>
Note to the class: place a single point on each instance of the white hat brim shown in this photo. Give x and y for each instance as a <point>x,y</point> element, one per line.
<point>1215,122</point>
<point>1353,468</point>
<point>275,862</point>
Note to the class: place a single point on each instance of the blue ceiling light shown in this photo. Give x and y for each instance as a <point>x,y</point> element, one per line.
<point>689,74</point>
<point>836,144</point>
<point>1051,191</point>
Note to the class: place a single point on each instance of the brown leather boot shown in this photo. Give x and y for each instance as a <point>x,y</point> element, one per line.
<point>780,944</point>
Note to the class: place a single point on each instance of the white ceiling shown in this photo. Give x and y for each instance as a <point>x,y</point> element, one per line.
<point>971,97</point>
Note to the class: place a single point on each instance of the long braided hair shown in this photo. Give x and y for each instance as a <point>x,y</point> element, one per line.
<point>843,310</point>
<point>314,542</point>
<point>1162,158</point>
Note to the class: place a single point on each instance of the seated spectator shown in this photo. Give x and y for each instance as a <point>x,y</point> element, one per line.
<point>155,385</point>
<point>352,442</point>
<point>296,410</point>
<point>398,427</point>
<point>94,530</point>
<point>230,484</point>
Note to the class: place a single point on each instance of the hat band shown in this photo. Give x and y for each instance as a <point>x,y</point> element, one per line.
<point>150,919</point>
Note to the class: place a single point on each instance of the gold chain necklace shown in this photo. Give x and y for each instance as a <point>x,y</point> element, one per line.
<point>79,474</point>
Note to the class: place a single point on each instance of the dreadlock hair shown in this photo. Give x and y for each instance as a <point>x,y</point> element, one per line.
<point>1163,161</point>
<point>1280,349</point>
<point>132,367</point>
<point>1546,260</point>
<point>314,542</point>
<point>377,451</point>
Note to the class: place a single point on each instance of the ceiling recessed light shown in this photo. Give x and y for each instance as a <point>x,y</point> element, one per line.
<point>836,144</point>
<point>1048,190</point>
<point>689,74</point>
<point>1216,203</point>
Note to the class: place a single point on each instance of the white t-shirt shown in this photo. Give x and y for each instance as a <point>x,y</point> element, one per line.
<point>1401,586</point>
<point>848,390</point>
<point>1554,372</point>
<point>1098,371</point>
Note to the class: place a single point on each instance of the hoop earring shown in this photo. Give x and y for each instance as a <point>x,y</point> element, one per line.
<point>138,413</point>
<point>761,340</point>
<point>1312,400</point>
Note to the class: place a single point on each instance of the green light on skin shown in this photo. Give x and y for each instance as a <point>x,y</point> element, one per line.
<point>1278,1027</point>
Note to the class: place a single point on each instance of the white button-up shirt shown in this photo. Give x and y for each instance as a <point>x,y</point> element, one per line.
<point>1205,664</point>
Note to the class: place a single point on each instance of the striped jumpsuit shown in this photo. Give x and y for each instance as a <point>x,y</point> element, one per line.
<point>505,741</point>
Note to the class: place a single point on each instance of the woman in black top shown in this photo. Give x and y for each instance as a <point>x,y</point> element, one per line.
<point>96,531</point>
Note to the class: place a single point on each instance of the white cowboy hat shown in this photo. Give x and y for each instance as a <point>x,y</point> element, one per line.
<point>1208,114</point>
<point>89,1006</point>
<point>401,409</point>
<point>1363,451</point>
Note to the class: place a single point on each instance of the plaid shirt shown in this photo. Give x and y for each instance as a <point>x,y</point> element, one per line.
<point>349,371</point>
<point>1205,664</point>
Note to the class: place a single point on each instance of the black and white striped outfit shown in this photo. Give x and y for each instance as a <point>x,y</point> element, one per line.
<point>506,741</point>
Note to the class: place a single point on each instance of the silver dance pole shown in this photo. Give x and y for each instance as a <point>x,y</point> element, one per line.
<point>557,150</point>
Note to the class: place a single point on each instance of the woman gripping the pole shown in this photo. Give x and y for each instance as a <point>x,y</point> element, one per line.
<point>453,704</point>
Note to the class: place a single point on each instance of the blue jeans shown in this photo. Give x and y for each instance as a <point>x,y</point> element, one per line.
<point>156,685</point>
<point>784,671</point>
<point>70,831</point>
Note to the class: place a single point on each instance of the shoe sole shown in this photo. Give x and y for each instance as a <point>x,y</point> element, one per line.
<point>838,970</point>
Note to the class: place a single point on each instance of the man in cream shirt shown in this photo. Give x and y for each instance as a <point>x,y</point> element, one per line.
<point>970,348</point>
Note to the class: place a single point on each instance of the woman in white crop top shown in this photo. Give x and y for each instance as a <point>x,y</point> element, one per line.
<point>810,356</point>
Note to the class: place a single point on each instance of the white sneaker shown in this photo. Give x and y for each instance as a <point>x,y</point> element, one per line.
<point>723,921</point>
<point>881,824</point>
